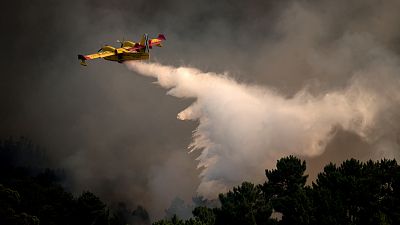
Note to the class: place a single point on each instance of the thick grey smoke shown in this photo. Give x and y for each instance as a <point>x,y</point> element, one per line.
<point>117,135</point>
<point>244,129</point>
<point>350,84</point>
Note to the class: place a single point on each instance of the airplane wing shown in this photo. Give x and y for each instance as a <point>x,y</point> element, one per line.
<point>103,54</point>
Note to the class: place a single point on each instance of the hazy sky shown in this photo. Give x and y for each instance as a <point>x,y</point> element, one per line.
<point>117,134</point>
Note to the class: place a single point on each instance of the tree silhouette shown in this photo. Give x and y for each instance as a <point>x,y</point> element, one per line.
<point>244,205</point>
<point>286,188</point>
<point>353,193</point>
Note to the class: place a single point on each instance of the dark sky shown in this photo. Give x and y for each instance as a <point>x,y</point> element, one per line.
<point>115,132</point>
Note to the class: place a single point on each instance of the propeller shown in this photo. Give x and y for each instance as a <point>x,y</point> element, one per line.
<point>146,42</point>
<point>121,42</point>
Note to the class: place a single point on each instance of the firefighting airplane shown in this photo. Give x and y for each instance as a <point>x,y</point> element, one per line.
<point>128,51</point>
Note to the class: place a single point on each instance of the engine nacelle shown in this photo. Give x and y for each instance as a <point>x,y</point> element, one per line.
<point>108,48</point>
<point>128,44</point>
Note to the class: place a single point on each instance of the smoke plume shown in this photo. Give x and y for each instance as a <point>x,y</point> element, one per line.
<point>116,134</point>
<point>243,129</point>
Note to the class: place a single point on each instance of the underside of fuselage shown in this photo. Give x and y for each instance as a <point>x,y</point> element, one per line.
<point>128,56</point>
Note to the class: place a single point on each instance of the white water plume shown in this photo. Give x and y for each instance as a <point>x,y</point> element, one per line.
<point>243,129</point>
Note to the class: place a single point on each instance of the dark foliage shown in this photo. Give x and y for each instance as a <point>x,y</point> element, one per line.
<point>244,205</point>
<point>31,194</point>
<point>354,193</point>
<point>21,152</point>
<point>286,190</point>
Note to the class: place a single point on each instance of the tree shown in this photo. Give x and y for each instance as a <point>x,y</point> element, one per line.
<point>140,216</point>
<point>173,221</point>
<point>204,215</point>
<point>286,187</point>
<point>9,204</point>
<point>357,193</point>
<point>244,205</point>
<point>34,194</point>
<point>90,210</point>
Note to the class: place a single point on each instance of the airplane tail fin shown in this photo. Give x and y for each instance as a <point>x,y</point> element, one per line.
<point>161,37</point>
<point>83,60</point>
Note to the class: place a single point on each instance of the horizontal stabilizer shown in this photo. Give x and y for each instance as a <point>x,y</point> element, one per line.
<point>83,60</point>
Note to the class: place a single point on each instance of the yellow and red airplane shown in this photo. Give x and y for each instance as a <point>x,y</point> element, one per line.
<point>128,51</point>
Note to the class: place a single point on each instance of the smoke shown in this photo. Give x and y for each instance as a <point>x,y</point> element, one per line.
<point>244,129</point>
<point>116,134</point>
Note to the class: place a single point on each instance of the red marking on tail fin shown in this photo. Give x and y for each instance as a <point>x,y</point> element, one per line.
<point>162,37</point>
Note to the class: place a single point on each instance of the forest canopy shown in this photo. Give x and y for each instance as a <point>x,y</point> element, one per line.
<point>353,192</point>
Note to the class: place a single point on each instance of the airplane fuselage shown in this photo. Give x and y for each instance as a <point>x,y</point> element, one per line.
<point>121,57</point>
